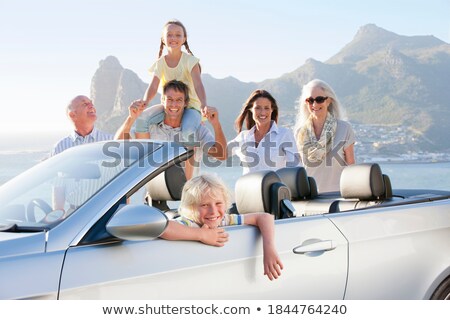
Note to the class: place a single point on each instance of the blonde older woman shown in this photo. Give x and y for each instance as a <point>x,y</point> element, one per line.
<point>325,141</point>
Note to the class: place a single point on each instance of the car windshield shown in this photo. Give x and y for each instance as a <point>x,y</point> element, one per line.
<point>55,188</point>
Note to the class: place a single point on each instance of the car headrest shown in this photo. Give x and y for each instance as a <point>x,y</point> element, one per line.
<point>298,182</point>
<point>388,187</point>
<point>252,191</point>
<point>313,187</point>
<point>363,181</point>
<point>168,185</point>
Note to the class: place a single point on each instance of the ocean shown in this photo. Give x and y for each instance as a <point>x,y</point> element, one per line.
<point>25,151</point>
<point>435,175</point>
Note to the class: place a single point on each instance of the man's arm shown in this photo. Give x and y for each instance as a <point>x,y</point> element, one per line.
<point>219,149</point>
<point>176,231</point>
<point>134,111</point>
<point>58,197</point>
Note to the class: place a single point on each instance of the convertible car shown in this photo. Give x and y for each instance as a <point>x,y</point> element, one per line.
<point>101,242</point>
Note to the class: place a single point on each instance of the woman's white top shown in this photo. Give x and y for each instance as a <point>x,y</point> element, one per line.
<point>276,150</point>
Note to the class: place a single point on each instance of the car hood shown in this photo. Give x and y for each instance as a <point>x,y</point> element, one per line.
<point>18,243</point>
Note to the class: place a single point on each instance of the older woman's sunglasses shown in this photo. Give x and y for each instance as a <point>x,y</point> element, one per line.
<point>318,99</point>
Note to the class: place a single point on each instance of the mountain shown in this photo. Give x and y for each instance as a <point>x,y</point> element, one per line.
<point>380,77</point>
<point>112,89</point>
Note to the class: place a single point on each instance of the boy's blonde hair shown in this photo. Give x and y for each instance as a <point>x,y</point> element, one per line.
<point>195,189</point>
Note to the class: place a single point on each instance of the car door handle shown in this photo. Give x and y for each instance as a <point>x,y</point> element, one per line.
<point>314,245</point>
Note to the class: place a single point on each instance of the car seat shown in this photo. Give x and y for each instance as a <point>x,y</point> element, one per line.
<point>167,186</point>
<point>305,198</point>
<point>261,191</point>
<point>363,185</point>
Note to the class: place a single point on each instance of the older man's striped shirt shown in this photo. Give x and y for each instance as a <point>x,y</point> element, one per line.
<point>74,139</point>
<point>78,191</point>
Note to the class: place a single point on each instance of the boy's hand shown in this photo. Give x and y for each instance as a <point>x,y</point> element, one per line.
<point>272,264</point>
<point>213,237</point>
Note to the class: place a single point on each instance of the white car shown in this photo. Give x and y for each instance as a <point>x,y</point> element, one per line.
<point>365,243</point>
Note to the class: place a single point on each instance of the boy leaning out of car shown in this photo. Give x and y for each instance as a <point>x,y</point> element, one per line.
<point>204,202</point>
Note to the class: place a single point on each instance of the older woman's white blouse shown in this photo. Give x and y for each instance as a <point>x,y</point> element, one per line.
<point>276,150</point>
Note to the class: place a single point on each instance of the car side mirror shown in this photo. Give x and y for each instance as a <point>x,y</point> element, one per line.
<point>137,222</point>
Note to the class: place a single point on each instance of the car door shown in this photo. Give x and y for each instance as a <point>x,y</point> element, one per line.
<point>397,252</point>
<point>162,269</point>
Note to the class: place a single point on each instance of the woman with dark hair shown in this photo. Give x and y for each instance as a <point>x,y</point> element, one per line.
<point>264,145</point>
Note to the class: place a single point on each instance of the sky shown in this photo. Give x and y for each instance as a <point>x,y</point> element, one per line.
<point>50,49</point>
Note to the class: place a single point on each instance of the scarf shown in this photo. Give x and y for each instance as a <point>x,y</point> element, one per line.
<point>316,150</point>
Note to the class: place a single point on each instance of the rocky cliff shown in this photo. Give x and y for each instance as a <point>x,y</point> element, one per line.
<point>382,78</point>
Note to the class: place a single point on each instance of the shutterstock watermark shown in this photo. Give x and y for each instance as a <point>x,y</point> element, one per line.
<point>268,153</point>
<point>330,155</point>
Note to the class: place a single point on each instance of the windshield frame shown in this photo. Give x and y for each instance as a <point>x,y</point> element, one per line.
<point>111,155</point>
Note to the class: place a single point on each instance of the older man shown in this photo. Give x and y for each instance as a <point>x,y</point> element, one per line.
<point>69,194</point>
<point>83,115</point>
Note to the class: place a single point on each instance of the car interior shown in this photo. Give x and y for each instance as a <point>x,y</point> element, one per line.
<point>289,192</point>
<point>166,187</point>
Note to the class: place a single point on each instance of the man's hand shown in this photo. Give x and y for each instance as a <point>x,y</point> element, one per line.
<point>214,237</point>
<point>136,108</point>
<point>212,114</point>
<point>219,149</point>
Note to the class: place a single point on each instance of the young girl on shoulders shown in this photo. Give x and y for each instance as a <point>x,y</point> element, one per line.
<point>175,65</point>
